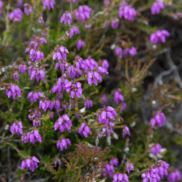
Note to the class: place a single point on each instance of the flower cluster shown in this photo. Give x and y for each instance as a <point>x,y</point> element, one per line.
<point>73,31</point>
<point>83,13</point>
<point>129,167</point>
<point>84,130</point>
<point>155,149</point>
<point>80,44</point>
<point>48,4</point>
<point>13,90</point>
<point>118,51</point>
<point>174,176</point>
<point>30,163</point>
<point>156,172</point>
<point>63,123</point>
<point>114,161</point>
<point>1,5</point>
<point>159,36</point>
<point>108,170</point>
<point>159,118</point>
<point>34,96</point>
<point>17,127</point>
<point>126,131</point>
<point>115,23</point>
<point>74,88</point>
<point>60,53</point>
<point>156,7</point>
<point>32,136</point>
<point>66,18</point>
<point>16,76</point>
<point>88,103</point>
<point>22,68</point>
<point>107,130</point>
<point>37,73</point>
<point>57,162</point>
<point>27,8</point>
<point>63,143</point>
<point>120,177</point>
<point>126,11</point>
<point>16,15</point>
<point>118,97</point>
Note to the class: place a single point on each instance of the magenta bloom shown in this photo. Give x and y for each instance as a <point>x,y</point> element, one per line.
<point>174,176</point>
<point>126,131</point>
<point>118,97</point>
<point>27,8</point>
<point>33,136</point>
<point>129,167</point>
<point>73,31</point>
<point>22,68</point>
<point>107,130</point>
<point>40,20</point>
<point>84,130</point>
<point>126,11</point>
<point>105,64</point>
<point>60,85</point>
<point>159,118</point>
<point>156,172</point>
<point>109,170</point>
<point>44,104</point>
<point>155,149</point>
<point>83,13</point>
<point>37,41</point>
<point>20,3</point>
<point>13,90</point>
<point>123,107</point>
<point>80,44</point>
<point>106,3</point>
<point>36,122</point>
<point>63,123</point>
<point>66,18</point>
<point>120,178</point>
<point>57,162</point>
<point>62,144</point>
<point>106,114</point>
<point>88,103</point>
<point>132,51</point>
<point>36,73</point>
<point>1,5</point>
<point>159,36</point>
<point>114,161</point>
<point>60,53</point>
<point>34,96</point>
<point>48,4</point>
<point>17,127</point>
<point>115,23</point>
<point>118,51</point>
<point>75,89</point>
<point>91,63</point>
<point>30,163</point>
<point>93,77</point>
<point>16,15</point>
<point>104,100</point>
<point>36,55</point>
<point>156,7</point>
<point>16,76</point>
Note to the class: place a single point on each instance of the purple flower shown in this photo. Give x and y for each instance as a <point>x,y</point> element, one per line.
<point>115,23</point>
<point>104,100</point>
<point>106,114</point>
<point>16,76</point>
<point>114,161</point>
<point>17,127</point>
<point>118,97</point>
<point>20,3</point>
<point>63,123</point>
<point>88,103</point>
<point>75,89</point>
<point>36,122</point>
<point>174,176</point>
<point>33,136</point>
<point>91,63</point>
<point>16,15</point>
<point>13,90</point>
<point>120,177</point>
<point>60,53</point>
<point>126,11</point>
<point>62,144</point>
<point>118,51</point>
<point>30,163</point>
<point>84,130</point>
<point>66,18</point>
<point>109,170</point>
<point>156,171</point>
<point>48,4</point>
<point>60,85</point>
<point>80,44</point>
<point>57,162</point>
<point>37,41</point>
<point>44,104</point>
<point>132,51</point>
<point>159,36</point>
<point>159,118</point>
<point>83,13</point>
<point>51,114</point>
<point>36,55</point>
<point>123,107</point>
<point>126,131</point>
<point>71,72</point>
<point>22,68</point>
<point>105,64</point>
<point>107,130</point>
<point>1,5</point>
<point>73,31</point>
<point>129,167</point>
<point>27,8</point>
<point>36,73</point>
<point>65,105</point>
<point>156,7</point>
<point>155,149</point>
<point>106,3</point>
<point>24,138</point>
<point>34,96</point>
<point>93,77</point>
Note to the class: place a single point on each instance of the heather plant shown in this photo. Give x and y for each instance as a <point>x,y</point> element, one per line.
<point>73,104</point>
